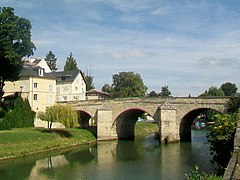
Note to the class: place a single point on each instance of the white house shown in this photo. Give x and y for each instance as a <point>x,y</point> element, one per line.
<point>34,62</point>
<point>70,85</point>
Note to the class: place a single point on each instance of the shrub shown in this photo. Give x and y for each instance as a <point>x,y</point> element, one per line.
<point>221,138</point>
<point>196,175</point>
<point>20,117</point>
<point>60,113</point>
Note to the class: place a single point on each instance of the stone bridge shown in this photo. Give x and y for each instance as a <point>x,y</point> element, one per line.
<point>115,119</point>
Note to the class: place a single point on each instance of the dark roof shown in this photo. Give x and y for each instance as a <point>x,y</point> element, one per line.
<point>36,61</point>
<point>31,71</point>
<point>65,76</point>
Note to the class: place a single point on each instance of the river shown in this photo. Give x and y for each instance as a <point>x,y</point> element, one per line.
<point>142,158</point>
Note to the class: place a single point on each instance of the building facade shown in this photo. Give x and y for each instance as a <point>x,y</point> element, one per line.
<point>70,85</point>
<point>36,86</point>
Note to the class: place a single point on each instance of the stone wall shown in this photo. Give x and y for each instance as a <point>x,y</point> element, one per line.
<point>233,168</point>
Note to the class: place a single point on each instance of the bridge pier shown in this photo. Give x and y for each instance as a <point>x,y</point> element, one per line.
<point>168,127</point>
<point>105,128</point>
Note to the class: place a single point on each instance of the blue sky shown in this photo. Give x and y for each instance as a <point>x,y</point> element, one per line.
<point>188,45</point>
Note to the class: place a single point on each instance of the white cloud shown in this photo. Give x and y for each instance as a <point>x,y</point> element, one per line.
<point>187,45</point>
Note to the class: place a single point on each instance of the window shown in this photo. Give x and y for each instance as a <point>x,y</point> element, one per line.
<point>35,85</point>
<point>50,88</point>
<point>58,90</point>
<point>63,78</point>
<point>40,71</point>
<point>50,100</point>
<point>65,98</point>
<point>35,97</point>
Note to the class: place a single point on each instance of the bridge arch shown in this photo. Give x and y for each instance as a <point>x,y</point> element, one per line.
<point>125,122</point>
<point>187,120</point>
<point>84,118</point>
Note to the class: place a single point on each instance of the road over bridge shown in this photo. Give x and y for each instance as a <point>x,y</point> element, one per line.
<point>115,119</point>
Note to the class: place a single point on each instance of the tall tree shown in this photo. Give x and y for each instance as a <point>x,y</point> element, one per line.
<point>128,84</point>
<point>15,43</point>
<point>71,63</point>
<point>89,82</point>
<point>51,60</point>
<point>165,92</point>
<point>229,89</point>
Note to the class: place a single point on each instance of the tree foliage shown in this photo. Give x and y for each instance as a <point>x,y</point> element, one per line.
<point>213,91</point>
<point>165,92</point>
<point>234,105</point>
<point>128,84</point>
<point>229,89</point>
<point>221,138</point>
<point>71,63</point>
<point>51,60</point>
<point>15,43</point>
<point>89,82</point>
<point>20,117</point>
<point>196,175</point>
<point>153,94</point>
<point>60,113</point>
<point>106,88</point>
<point>221,134</point>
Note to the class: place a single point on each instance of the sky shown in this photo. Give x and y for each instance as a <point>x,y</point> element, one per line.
<point>188,45</point>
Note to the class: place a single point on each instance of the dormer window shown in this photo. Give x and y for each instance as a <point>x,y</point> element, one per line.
<point>63,78</point>
<point>40,72</point>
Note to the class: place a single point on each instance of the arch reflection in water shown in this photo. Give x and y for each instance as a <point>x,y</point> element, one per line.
<point>142,158</point>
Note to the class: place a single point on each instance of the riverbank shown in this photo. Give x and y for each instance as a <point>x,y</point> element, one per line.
<point>23,142</point>
<point>28,141</point>
<point>145,128</point>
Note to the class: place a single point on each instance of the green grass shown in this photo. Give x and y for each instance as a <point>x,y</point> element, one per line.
<point>145,128</point>
<point>27,141</point>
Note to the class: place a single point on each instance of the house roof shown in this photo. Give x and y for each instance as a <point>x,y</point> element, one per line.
<point>95,91</point>
<point>31,71</point>
<point>28,71</point>
<point>65,76</point>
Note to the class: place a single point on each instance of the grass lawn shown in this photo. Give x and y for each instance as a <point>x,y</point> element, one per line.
<point>23,142</point>
<point>27,141</point>
<point>145,128</point>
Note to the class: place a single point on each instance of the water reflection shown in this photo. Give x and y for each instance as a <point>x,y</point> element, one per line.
<point>139,159</point>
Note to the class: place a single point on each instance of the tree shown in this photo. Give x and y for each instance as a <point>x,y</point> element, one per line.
<point>165,92</point>
<point>233,105</point>
<point>89,82</point>
<point>60,113</point>
<point>20,117</point>
<point>214,91</point>
<point>15,43</point>
<point>71,63</point>
<point>51,60</point>
<point>229,89</point>
<point>107,88</point>
<point>128,84</point>
<point>153,94</point>
<point>221,138</point>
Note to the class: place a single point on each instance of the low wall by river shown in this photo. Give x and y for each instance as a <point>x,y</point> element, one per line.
<point>233,168</point>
